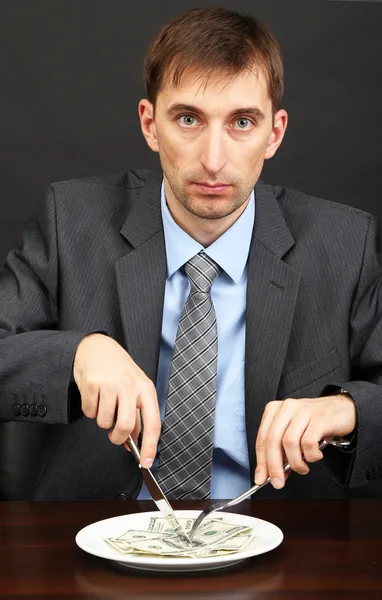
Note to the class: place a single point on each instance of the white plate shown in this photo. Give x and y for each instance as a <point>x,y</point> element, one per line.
<point>91,539</point>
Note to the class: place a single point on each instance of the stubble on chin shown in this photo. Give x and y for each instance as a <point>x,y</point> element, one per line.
<point>208,207</point>
<point>211,208</point>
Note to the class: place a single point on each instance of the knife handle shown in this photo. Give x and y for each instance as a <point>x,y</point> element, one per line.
<point>134,449</point>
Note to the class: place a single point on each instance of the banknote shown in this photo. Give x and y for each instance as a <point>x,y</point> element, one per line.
<point>210,530</point>
<point>164,547</point>
<point>212,534</point>
<point>214,537</point>
<point>120,546</point>
<point>161,524</point>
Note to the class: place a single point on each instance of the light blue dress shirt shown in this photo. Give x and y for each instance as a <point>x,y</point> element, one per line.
<point>230,466</point>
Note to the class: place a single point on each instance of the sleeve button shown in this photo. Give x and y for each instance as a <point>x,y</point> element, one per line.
<point>42,410</point>
<point>16,410</point>
<point>122,496</point>
<point>33,410</point>
<point>24,408</point>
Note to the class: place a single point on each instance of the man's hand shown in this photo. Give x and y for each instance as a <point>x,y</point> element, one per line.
<point>116,392</point>
<point>291,427</point>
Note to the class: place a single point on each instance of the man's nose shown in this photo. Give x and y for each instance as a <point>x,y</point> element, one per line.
<point>213,157</point>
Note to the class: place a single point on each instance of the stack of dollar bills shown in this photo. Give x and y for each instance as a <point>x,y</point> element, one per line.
<point>214,537</point>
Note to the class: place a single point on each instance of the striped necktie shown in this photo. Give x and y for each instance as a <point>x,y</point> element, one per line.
<point>186,442</point>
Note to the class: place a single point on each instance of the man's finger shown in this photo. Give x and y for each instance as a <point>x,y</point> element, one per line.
<point>137,428</point>
<point>261,473</point>
<point>292,441</point>
<point>311,439</point>
<point>89,399</point>
<point>149,409</point>
<point>106,407</point>
<point>125,417</point>
<point>274,446</point>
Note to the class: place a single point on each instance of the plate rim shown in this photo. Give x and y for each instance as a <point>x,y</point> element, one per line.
<point>177,563</point>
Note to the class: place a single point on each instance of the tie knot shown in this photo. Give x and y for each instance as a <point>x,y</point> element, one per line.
<point>201,271</point>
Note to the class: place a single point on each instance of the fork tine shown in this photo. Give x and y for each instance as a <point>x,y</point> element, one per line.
<point>212,508</point>
<point>199,519</point>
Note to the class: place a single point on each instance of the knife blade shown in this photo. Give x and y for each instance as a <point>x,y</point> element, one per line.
<point>158,495</point>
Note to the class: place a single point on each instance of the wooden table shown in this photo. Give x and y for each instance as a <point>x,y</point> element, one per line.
<point>332,549</point>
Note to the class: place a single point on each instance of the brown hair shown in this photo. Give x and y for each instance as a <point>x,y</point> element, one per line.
<point>214,40</point>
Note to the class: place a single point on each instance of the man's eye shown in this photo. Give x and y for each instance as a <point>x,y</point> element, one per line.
<point>187,120</point>
<point>243,123</point>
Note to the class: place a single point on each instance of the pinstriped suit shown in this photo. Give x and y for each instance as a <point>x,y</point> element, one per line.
<point>94,260</point>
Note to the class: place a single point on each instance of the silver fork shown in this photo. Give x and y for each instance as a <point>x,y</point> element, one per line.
<point>222,505</point>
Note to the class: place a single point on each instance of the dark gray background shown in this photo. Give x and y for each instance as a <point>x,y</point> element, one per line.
<point>70,73</point>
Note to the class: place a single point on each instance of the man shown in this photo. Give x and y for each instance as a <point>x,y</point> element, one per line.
<point>244,317</point>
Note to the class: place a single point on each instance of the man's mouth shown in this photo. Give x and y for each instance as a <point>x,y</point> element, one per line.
<point>211,188</point>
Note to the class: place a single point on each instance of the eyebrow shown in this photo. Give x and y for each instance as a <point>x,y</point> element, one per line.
<point>250,111</point>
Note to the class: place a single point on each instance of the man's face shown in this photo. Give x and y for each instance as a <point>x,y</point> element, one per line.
<point>212,140</point>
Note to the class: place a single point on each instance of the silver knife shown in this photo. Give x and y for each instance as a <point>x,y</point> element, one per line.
<point>158,496</point>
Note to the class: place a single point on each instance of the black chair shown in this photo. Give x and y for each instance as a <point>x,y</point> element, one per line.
<point>24,448</point>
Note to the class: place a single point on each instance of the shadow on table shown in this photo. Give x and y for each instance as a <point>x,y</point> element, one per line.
<point>247,581</point>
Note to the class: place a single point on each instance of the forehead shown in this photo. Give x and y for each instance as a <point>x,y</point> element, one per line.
<point>218,91</point>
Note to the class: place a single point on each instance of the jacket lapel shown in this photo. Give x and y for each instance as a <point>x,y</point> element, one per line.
<point>271,297</point>
<point>141,274</point>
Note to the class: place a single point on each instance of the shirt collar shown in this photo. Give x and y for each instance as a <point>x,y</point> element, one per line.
<point>181,247</point>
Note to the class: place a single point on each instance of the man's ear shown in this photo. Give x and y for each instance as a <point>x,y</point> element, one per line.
<point>280,123</point>
<point>146,116</point>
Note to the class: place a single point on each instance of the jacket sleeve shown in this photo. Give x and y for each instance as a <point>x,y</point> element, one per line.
<point>365,348</point>
<point>36,359</point>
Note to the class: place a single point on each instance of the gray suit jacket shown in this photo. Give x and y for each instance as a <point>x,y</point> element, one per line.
<point>94,260</point>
